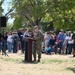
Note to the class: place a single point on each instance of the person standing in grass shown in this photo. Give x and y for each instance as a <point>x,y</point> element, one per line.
<point>61,38</point>
<point>15,42</point>
<point>46,39</point>
<point>9,42</point>
<point>38,36</point>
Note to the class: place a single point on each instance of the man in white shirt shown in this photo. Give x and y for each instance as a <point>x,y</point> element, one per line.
<point>9,42</point>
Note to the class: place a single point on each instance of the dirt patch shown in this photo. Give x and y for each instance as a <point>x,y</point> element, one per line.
<point>49,65</point>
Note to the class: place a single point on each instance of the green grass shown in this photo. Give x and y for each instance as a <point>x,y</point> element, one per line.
<point>73,61</point>
<point>45,61</point>
<point>11,59</point>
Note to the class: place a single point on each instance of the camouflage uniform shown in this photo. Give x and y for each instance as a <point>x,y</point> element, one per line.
<point>37,44</point>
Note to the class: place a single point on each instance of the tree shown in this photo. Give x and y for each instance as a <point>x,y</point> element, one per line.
<point>35,12</point>
<point>62,12</point>
<point>1,10</point>
<point>31,11</point>
<point>17,23</point>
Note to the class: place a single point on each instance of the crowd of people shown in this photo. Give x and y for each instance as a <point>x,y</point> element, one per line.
<point>62,43</point>
<point>13,41</point>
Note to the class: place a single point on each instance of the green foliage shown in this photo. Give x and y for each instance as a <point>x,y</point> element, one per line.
<point>47,26</point>
<point>32,12</point>
<point>1,10</point>
<point>62,12</point>
<point>17,23</point>
<point>9,27</point>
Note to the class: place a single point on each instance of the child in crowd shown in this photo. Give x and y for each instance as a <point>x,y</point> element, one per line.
<point>48,50</point>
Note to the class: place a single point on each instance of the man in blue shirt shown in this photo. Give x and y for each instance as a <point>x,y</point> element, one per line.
<point>61,38</point>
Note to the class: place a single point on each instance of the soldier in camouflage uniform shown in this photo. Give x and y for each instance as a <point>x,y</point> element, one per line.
<point>38,43</point>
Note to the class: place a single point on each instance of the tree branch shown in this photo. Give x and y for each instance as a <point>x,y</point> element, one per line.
<point>9,12</point>
<point>29,19</point>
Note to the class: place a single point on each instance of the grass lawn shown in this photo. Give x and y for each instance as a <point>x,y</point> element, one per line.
<point>49,65</point>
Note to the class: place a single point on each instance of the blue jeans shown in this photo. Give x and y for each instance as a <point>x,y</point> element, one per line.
<point>15,46</point>
<point>60,46</point>
<point>5,45</point>
<point>0,45</point>
<point>23,46</point>
<point>52,49</point>
<point>9,45</point>
<point>69,48</point>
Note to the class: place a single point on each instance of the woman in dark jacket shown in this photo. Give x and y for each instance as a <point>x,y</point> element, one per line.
<point>4,43</point>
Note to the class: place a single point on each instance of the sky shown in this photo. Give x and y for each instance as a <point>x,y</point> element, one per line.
<point>7,6</point>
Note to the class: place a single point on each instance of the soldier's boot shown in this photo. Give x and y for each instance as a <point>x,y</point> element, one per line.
<point>38,60</point>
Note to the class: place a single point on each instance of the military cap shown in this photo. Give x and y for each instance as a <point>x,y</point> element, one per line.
<point>35,27</point>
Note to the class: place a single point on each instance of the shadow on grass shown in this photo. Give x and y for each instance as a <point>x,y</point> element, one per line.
<point>18,60</point>
<point>72,69</point>
<point>44,61</point>
<point>32,62</point>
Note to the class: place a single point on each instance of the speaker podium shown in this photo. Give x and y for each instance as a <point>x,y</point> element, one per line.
<point>28,49</point>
